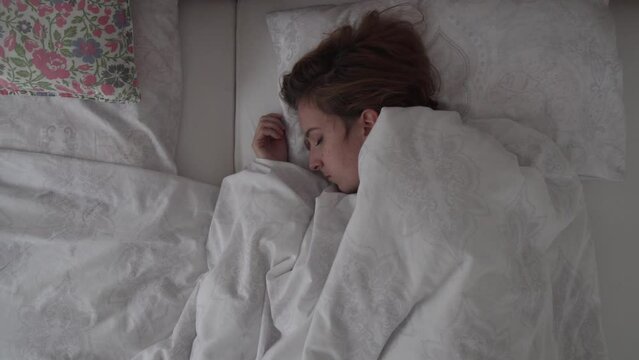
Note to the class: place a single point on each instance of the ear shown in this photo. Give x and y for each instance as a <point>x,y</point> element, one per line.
<point>368,119</point>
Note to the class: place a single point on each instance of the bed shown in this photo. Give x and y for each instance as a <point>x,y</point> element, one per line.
<point>65,206</point>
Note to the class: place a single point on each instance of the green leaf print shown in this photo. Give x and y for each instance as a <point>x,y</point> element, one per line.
<point>18,62</point>
<point>70,32</point>
<point>20,50</point>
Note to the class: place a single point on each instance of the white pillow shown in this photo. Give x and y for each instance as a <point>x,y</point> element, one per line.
<point>550,65</point>
<point>142,134</point>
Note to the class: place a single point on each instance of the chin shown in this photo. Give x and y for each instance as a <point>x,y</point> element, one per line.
<point>347,189</point>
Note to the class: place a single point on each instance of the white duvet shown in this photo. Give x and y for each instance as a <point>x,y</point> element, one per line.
<point>96,260</point>
<point>463,242</point>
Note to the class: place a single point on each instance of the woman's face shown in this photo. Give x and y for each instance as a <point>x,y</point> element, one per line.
<point>332,151</point>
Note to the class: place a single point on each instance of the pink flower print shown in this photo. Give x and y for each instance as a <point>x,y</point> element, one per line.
<point>44,10</point>
<point>30,45</point>
<point>37,29</point>
<point>108,11</point>
<point>93,8</point>
<point>89,80</point>
<point>22,7</point>
<point>103,20</point>
<point>50,64</point>
<point>10,42</point>
<point>81,5</point>
<point>77,87</point>
<point>60,21</point>
<point>84,67</point>
<point>110,29</point>
<point>107,89</point>
<point>112,45</point>
<point>6,3</point>
<point>65,89</point>
<point>58,45</point>
<point>8,85</point>
<point>64,7</point>
<point>97,32</point>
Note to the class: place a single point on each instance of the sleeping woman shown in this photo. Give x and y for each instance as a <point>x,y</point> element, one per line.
<point>444,241</point>
<point>339,89</point>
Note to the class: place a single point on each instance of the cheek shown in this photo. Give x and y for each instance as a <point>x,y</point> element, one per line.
<point>331,157</point>
<point>343,157</point>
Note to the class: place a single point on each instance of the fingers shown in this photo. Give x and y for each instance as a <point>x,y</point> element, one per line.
<point>266,131</point>
<point>272,126</point>
<point>274,119</point>
<point>273,115</point>
<point>269,141</point>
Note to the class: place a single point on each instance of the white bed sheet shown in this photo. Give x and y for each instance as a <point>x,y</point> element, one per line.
<point>96,260</point>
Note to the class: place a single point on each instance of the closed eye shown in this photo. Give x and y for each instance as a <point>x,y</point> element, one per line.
<point>307,144</point>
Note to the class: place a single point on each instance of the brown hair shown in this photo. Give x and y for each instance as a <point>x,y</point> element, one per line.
<point>381,62</point>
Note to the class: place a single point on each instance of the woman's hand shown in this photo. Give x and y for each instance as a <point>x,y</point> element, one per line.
<point>269,141</point>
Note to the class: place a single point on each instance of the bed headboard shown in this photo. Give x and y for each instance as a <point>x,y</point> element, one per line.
<point>205,146</point>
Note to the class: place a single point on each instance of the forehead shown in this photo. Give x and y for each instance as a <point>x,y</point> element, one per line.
<point>312,117</point>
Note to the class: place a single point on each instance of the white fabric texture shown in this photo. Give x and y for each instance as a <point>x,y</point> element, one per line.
<point>458,245</point>
<point>96,260</point>
<point>549,65</point>
<point>143,134</point>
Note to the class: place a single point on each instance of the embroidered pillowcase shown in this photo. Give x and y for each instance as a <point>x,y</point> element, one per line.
<point>549,65</point>
<point>71,48</point>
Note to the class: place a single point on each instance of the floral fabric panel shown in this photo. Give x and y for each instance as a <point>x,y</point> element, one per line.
<point>81,49</point>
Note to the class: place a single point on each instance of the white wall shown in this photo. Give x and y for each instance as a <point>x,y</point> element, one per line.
<point>614,208</point>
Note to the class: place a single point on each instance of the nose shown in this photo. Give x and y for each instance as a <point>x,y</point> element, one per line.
<point>314,161</point>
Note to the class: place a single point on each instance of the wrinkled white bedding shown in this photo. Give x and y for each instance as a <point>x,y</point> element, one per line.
<point>463,242</point>
<point>96,260</point>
